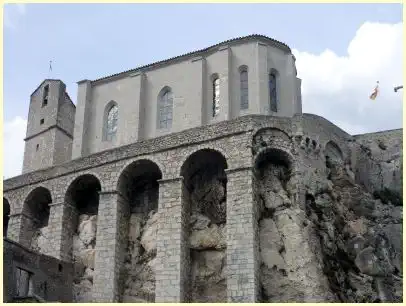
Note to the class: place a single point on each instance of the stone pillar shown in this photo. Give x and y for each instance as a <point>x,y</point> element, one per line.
<point>20,229</point>
<point>112,228</point>
<point>242,237</point>
<point>61,227</point>
<point>173,256</point>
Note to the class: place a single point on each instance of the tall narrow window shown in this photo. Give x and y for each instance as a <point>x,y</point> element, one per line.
<point>165,109</point>
<point>244,88</point>
<point>273,95</point>
<point>216,96</point>
<point>45,96</point>
<point>111,124</point>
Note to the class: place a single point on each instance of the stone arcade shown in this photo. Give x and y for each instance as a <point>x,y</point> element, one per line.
<point>198,179</point>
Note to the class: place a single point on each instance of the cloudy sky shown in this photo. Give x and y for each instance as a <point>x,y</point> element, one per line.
<point>341,51</point>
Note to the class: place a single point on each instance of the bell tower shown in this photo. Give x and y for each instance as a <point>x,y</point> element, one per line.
<point>50,125</point>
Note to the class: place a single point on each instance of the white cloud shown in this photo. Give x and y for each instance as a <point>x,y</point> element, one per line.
<point>13,146</point>
<point>13,13</point>
<point>338,87</point>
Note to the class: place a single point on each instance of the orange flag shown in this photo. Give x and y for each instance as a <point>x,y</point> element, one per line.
<point>375,93</point>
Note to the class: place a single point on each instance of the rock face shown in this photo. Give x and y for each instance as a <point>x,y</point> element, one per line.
<point>84,242</point>
<point>208,257</point>
<point>360,240</point>
<point>207,238</point>
<point>344,243</point>
<point>379,161</point>
<point>290,272</point>
<point>140,260</point>
<point>40,241</point>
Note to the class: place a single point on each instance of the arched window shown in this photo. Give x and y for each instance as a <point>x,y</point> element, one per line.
<point>165,109</point>
<point>273,95</point>
<point>111,122</point>
<point>244,88</point>
<point>216,96</point>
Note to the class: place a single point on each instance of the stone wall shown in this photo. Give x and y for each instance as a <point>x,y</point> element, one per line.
<point>49,278</point>
<point>240,211</point>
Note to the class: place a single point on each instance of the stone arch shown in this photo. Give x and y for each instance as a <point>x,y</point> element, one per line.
<point>36,212</point>
<point>6,215</point>
<point>333,153</point>
<point>138,192</point>
<point>186,158</point>
<point>83,194</point>
<point>73,180</point>
<point>270,137</point>
<point>125,166</point>
<point>80,231</point>
<point>204,202</point>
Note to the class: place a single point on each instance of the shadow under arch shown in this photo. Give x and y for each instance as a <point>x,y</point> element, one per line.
<point>36,209</point>
<point>138,196</point>
<point>6,215</point>
<point>333,152</point>
<point>204,198</point>
<point>274,156</point>
<point>83,194</point>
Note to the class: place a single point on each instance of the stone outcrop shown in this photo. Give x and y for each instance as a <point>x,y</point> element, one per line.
<point>360,239</point>
<point>84,242</point>
<point>290,272</point>
<point>140,259</point>
<point>207,238</point>
<point>208,244</point>
<point>40,240</point>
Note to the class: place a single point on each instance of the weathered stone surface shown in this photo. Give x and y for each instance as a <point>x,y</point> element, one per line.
<point>82,291</point>
<point>213,237</point>
<point>87,230</point>
<point>148,238</point>
<point>209,281</point>
<point>140,260</point>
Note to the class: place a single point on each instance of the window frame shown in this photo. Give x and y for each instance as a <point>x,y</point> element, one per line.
<point>165,109</point>
<point>273,92</point>
<point>110,125</point>
<point>215,102</point>
<point>244,88</point>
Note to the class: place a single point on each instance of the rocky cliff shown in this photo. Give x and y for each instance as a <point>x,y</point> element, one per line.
<point>345,243</point>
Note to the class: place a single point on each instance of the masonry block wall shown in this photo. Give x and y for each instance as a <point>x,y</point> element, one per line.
<point>304,139</point>
<point>48,278</point>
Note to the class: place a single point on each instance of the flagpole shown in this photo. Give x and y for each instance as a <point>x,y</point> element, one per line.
<point>50,70</point>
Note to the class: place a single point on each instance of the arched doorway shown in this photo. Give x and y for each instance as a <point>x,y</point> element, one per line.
<point>36,208</point>
<point>83,196</point>
<point>139,189</point>
<point>205,197</point>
